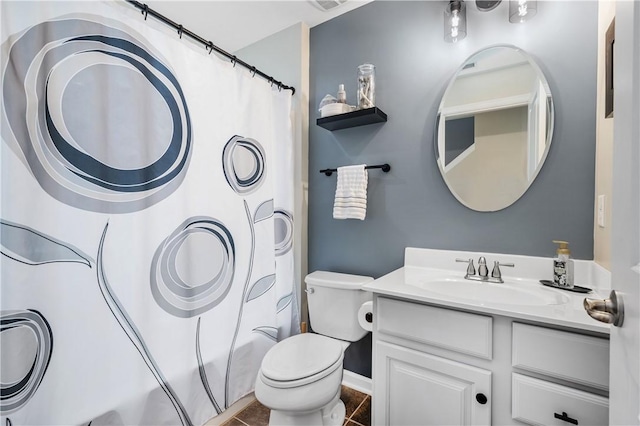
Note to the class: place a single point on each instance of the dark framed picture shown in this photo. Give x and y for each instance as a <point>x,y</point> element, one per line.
<point>610,38</point>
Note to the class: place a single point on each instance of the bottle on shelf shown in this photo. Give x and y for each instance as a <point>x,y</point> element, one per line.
<point>342,95</point>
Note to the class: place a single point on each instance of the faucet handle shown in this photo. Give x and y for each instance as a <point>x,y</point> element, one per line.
<point>471,270</point>
<point>496,273</point>
<point>482,267</point>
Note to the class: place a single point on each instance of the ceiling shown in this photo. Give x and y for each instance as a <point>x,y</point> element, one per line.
<point>234,24</point>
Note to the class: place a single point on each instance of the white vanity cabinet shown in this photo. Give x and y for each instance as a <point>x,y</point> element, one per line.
<point>434,365</point>
<point>413,387</point>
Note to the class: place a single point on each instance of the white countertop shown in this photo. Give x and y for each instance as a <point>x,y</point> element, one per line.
<point>408,283</point>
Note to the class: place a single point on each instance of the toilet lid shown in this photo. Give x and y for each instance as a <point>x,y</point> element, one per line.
<point>300,356</point>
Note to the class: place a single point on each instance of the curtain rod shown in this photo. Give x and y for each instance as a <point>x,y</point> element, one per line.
<point>146,10</point>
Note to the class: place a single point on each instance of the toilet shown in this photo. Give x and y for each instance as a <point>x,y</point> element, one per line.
<point>300,377</point>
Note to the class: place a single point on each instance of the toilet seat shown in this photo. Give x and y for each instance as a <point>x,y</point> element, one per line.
<point>300,360</point>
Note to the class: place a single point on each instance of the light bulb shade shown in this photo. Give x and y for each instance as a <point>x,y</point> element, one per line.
<point>455,21</point>
<point>522,10</point>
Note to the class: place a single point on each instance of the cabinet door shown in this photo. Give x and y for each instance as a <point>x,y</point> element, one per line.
<point>414,388</point>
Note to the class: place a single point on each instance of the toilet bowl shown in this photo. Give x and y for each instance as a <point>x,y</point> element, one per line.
<point>300,377</point>
<point>300,381</point>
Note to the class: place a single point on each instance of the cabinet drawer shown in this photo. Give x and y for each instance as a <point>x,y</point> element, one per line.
<point>458,331</point>
<point>538,402</point>
<point>565,355</point>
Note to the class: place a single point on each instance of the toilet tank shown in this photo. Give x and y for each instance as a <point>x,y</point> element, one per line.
<point>334,300</point>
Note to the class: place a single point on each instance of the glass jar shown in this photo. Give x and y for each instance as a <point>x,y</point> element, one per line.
<point>366,86</point>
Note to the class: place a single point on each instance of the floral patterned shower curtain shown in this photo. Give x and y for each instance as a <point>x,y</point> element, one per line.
<point>146,220</point>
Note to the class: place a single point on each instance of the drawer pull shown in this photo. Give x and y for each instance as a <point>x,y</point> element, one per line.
<point>565,418</point>
<point>481,398</point>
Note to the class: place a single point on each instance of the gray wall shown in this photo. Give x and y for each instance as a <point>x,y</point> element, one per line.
<point>411,205</point>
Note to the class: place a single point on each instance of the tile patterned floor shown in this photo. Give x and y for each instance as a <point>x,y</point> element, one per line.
<point>358,407</point>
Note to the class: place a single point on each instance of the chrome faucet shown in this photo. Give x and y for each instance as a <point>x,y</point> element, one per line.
<point>471,270</point>
<point>496,275</point>
<point>483,271</point>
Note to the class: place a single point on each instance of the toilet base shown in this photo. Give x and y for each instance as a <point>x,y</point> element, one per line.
<point>332,414</point>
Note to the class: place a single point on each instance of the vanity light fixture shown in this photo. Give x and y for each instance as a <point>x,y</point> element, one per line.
<point>522,10</point>
<point>455,15</point>
<point>455,21</point>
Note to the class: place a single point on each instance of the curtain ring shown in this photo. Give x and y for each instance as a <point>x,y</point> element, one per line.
<point>180,28</point>
<point>253,71</point>
<point>145,11</point>
<point>271,81</point>
<point>210,47</point>
<point>279,87</point>
<point>234,59</point>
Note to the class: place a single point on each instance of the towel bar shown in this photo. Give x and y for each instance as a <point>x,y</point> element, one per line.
<point>385,168</point>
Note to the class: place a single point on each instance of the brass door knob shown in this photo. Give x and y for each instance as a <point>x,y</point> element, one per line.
<point>609,311</point>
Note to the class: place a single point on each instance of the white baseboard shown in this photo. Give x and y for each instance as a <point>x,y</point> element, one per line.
<point>357,382</point>
<point>230,412</point>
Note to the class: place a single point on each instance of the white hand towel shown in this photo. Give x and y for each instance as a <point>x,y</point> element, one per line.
<point>351,193</point>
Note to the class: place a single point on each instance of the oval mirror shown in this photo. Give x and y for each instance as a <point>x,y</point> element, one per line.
<point>494,128</point>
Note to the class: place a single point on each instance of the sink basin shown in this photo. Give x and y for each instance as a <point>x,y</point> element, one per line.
<point>491,293</point>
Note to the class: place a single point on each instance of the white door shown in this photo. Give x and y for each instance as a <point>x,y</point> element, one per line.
<point>625,265</point>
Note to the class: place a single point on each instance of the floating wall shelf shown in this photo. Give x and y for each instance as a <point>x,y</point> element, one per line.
<point>356,118</point>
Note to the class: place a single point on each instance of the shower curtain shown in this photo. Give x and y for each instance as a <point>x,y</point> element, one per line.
<point>146,220</point>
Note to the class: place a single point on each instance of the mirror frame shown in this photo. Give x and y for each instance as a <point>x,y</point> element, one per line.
<point>550,128</point>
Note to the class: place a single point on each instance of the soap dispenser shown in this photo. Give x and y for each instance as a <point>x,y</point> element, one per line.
<point>563,266</point>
